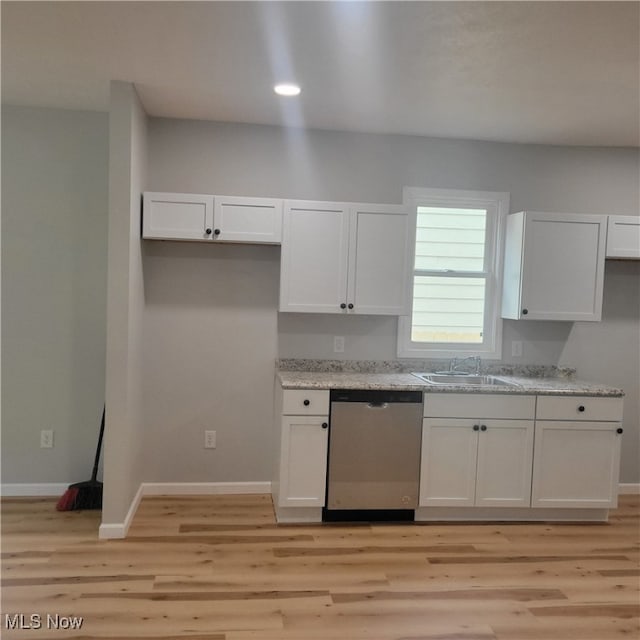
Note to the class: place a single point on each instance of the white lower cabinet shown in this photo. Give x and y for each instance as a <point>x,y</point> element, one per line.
<point>303,461</point>
<point>303,448</point>
<point>448,463</point>
<point>482,462</point>
<point>472,460</point>
<point>545,457</point>
<point>576,461</point>
<point>503,475</point>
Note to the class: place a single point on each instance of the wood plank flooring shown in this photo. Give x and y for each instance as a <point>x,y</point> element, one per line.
<point>220,568</point>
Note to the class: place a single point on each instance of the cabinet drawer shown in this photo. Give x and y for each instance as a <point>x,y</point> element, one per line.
<point>474,405</point>
<point>305,402</point>
<point>579,408</point>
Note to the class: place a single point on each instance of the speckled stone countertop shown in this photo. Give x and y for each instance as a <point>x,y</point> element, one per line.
<point>559,384</point>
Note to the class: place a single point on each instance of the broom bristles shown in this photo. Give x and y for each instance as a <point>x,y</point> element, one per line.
<point>89,496</point>
<point>68,500</point>
<point>82,495</point>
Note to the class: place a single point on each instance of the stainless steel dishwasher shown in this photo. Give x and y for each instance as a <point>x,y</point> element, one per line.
<point>374,451</point>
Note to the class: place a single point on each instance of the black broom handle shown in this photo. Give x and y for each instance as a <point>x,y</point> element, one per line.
<point>94,474</point>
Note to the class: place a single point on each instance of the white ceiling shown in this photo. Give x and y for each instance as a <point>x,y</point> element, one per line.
<point>536,72</point>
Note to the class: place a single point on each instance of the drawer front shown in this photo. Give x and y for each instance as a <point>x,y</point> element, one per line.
<point>579,408</point>
<point>475,405</point>
<point>305,402</point>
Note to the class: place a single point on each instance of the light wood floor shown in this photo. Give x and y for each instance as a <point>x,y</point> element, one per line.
<point>219,568</point>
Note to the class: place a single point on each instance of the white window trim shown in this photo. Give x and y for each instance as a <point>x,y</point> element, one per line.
<point>498,201</point>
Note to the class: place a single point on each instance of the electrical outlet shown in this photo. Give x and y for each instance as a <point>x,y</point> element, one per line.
<point>209,439</point>
<point>46,439</point>
<point>516,348</point>
<point>338,344</point>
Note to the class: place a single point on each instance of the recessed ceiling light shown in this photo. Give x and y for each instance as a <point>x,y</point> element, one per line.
<point>287,89</point>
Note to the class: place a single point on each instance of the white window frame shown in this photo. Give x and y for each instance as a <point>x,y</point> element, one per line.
<point>497,205</point>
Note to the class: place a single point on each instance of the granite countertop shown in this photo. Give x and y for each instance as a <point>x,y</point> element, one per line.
<point>559,385</point>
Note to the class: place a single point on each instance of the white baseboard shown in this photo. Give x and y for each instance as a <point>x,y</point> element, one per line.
<point>34,489</point>
<point>203,488</point>
<point>119,530</point>
<point>625,488</point>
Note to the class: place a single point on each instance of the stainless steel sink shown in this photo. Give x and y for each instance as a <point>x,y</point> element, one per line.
<point>463,379</point>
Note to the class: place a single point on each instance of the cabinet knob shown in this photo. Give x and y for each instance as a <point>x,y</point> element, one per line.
<point>207,232</point>
<point>343,305</point>
<point>476,427</point>
<point>350,305</point>
<point>525,311</point>
<point>619,430</point>
<point>483,427</point>
<point>581,408</point>
<point>306,403</point>
<point>216,232</point>
<point>324,425</point>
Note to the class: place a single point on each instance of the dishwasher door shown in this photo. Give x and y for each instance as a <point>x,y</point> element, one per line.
<point>374,450</point>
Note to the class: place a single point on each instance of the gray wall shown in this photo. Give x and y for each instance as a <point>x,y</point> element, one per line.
<point>236,159</point>
<point>210,336</point>
<point>204,342</point>
<point>54,261</point>
<point>123,468</point>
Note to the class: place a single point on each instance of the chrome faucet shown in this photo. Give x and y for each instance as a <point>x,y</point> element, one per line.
<point>455,363</point>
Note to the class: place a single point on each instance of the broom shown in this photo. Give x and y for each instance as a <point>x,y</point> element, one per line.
<point>87,494</point>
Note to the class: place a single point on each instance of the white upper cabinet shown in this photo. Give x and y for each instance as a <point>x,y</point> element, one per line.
<point>187,216</point>
<point>247,220</point>
<point>177,216</point>
<point>623,237</point>
<point>554,266</point>
<point>315,248</point>
<point>379,248</point>
<point>345,258</point>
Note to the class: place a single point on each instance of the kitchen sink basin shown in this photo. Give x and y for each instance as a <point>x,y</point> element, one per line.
<point>464,379</point>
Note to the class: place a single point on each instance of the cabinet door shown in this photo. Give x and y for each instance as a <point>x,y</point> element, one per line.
<point>253,220</point>
<point>303,461</point>
<point>563,266</point>
<point>448,463</point>
<point>623,237</point>
<point>380,258</point>
<point>505,452</point>
<point>576,464</point>
<point>313,268</point>
<point>177,216</point>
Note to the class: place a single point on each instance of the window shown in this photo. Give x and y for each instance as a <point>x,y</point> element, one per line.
<point>457,273</point>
